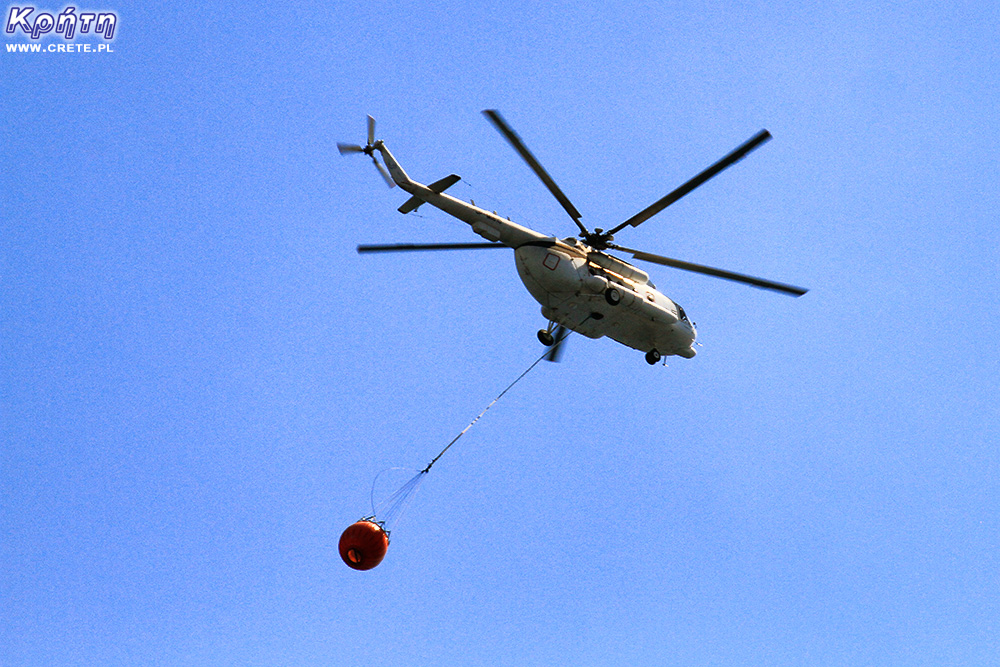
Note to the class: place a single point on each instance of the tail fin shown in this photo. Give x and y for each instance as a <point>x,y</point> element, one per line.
<point>413,203</point>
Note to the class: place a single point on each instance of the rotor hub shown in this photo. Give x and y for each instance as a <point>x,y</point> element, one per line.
<point>598,239</point>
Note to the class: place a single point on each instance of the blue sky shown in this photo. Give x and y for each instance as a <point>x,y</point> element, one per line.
<point>201,378</point>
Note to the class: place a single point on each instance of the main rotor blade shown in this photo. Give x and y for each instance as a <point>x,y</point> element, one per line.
<point>500,124</point>
<point>406,247</point>
<point>371,130</point>
<point>718,273</point>
<point>732,158</point>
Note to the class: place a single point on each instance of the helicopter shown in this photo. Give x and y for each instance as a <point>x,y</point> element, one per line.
<point>581,286</point>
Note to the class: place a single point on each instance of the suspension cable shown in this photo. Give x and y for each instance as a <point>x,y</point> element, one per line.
<point>392,508</point>
<point>499,396</point>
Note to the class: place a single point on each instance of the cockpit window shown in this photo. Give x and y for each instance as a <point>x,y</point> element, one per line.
<point>682,313</point>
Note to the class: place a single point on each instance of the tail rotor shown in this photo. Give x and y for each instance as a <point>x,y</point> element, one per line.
<point>369,150</point>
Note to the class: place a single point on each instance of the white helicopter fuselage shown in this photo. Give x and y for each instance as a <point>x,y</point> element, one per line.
<point>587,291</point>
<point>595,294</point>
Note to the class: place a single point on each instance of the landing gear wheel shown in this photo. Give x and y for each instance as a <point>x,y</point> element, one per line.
<point>652,357</point>
<point>612,296</point>
<point>545,338</point>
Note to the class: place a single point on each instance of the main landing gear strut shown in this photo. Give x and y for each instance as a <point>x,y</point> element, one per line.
<point>546,338</point>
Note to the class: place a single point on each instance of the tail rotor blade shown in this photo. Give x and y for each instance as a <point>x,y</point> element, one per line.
<point>369,149</point>
<point>346,149</point>
<point>385,174</point>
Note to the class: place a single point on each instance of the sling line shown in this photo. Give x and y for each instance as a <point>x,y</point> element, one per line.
<point>509,387</point>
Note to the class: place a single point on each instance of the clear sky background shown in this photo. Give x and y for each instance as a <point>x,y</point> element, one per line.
<point>200,377</point>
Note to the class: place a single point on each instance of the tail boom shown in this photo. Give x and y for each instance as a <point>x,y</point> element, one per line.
<point>488,225</point>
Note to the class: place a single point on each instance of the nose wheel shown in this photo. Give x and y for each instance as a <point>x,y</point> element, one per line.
<point>545,338</point>
<point>653,357</point>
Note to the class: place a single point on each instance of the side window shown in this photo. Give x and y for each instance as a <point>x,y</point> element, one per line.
<point>682,313</point>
